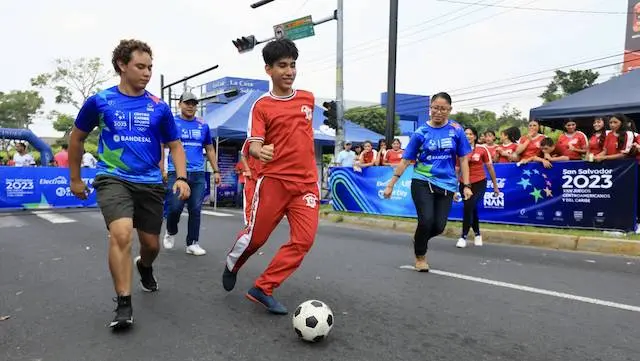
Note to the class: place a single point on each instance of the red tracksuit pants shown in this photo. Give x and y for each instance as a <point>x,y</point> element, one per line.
<point>273,199</point>
<point>247,198</point>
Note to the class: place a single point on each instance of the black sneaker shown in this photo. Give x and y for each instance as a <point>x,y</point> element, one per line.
<point>124,313</point>
<point>147,281</point>
<point>228,279</point>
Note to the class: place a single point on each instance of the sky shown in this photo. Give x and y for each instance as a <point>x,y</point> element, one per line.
<point>442,45</point>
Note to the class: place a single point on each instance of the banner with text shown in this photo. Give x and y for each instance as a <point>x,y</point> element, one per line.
<point>42,187</point>
<point>570,194</point>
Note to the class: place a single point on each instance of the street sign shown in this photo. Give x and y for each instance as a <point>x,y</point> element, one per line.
<point>295,29</point>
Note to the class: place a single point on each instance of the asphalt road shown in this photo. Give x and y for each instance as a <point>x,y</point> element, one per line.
<point>491,303</point>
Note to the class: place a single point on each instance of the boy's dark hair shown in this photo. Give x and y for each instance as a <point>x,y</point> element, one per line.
<point>546,142</point>
<point>279,49</point>
<point>123,52</point>
<point>65,146</point>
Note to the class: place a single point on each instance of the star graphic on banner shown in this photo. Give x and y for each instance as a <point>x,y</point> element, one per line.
<point>527,172</point>
<point>549,183</point>
<point>524,183</point>
<point>536,194</point>
<point>544,176</point>
<point>536,171</point>
<point>548,192</point>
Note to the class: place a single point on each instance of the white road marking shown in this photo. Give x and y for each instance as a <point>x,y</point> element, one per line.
<point>11,221</point>
<point>540,291</point>
<point>217,214</point>
<point>54,217</point>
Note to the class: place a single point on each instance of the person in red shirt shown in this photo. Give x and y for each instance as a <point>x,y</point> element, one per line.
<point>62,157</point>
<point>251,175</point>
<point>572,143</point>
<point>529,145</point>
<point>509,138</point>
<point>596,142</point>
<point>550,153</point>
<point>288,183</point>
<point>490,143</point>
<point>382,152</point>
<point>393,156</point>
<point>618,143</point>
<point>479,158</point>
<point>368,156</point>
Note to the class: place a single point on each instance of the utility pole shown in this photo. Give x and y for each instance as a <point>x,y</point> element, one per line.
<point>339,80</point>
<point>391,76</point>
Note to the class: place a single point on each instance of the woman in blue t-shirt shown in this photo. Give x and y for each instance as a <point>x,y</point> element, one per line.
<point>434,147</point>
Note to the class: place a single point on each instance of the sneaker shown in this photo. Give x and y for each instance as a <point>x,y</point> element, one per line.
<point>124,313</point>
<point>168,241</point>
<point>269,302</point>
<point>228,279</point>
<point>462,243</point>
<point>147,281</point>
<point>477,241</point>
<point>421,264</point>
<point>196,250</point>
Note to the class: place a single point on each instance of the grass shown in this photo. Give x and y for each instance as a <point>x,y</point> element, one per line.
<point>564,231</point>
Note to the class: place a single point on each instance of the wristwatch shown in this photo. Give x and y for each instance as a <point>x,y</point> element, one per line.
<point>182,179</point>
<point>467,185</point>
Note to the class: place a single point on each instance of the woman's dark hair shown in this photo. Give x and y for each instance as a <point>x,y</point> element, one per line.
<point>622,132</point>
<point>490,132</point>
<point>279,49</point>
<point>442,95</point>
<point>534,121</point>
<point>381,141</point>
<point>396,140</point>
<point>603,132</point>
<point>566,121</point>
<point>365,142</point>
<point>475,133</point>
<point>512,133</point>
<point>546,142</point>
<point>122,52</point>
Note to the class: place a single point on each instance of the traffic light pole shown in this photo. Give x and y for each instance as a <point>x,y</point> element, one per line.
<point>339,81</point>
<point>391,76</point>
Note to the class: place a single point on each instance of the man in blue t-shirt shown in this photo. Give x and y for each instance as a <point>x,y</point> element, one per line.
<point>195,137</point>
<point>133,124</point>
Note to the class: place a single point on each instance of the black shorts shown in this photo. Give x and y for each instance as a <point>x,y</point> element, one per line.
<point>118,198</point>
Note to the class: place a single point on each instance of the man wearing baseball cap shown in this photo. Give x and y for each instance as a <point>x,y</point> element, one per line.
<point>195,136</point>
<point>346,157</point>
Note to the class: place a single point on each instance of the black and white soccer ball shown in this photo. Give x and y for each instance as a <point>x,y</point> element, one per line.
<point>313,320</point>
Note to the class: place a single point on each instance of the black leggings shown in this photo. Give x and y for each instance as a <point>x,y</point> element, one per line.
<point>432,206</point>
<point>470,210</point>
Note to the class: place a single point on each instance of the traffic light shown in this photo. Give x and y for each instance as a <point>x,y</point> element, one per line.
<point>330,114</point>
<point>245,43</point>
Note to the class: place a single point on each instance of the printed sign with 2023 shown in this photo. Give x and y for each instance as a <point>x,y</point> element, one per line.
<point>574,194</point>
<point>42,187</point>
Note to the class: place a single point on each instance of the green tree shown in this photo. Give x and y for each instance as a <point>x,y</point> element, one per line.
<point>372,118</point>
<point>510,117</point>
<point>566,83</point>
<point>480,119</point>
<point>18,108</point>
<point>74,80</point>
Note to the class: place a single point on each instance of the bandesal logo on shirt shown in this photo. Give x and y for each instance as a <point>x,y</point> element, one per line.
<point>131,138</point>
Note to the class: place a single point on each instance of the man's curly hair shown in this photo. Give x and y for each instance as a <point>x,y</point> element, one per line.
<point>123,52</point>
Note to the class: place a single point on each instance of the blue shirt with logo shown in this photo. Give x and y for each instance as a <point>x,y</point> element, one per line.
<point>195,135</point>
<point>131,131</point>
<point>435,151</point>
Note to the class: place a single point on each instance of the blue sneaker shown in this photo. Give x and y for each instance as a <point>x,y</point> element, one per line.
<point>269,302</point>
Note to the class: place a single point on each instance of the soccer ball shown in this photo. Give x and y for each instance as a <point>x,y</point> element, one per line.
<point>312,320</point>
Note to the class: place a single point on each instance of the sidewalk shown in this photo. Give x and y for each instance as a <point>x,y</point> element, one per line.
<point>537,239</point>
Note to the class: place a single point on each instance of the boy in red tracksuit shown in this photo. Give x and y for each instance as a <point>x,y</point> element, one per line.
<point>281,136</point>
<point>251,177</point>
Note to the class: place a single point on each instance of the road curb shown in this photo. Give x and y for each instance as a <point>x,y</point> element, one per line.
<point>543,240</point>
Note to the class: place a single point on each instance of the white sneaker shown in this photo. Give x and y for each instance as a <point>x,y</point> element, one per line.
<point>477,241</point>
<point>168,240</point>
<point>462,243</point>
<point>196,250</point>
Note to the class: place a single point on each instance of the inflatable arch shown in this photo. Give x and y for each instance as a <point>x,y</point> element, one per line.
<point>46,155</point>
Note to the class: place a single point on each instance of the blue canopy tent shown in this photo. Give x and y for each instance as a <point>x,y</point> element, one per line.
<point>618,95</point>
<point>230,122</point>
